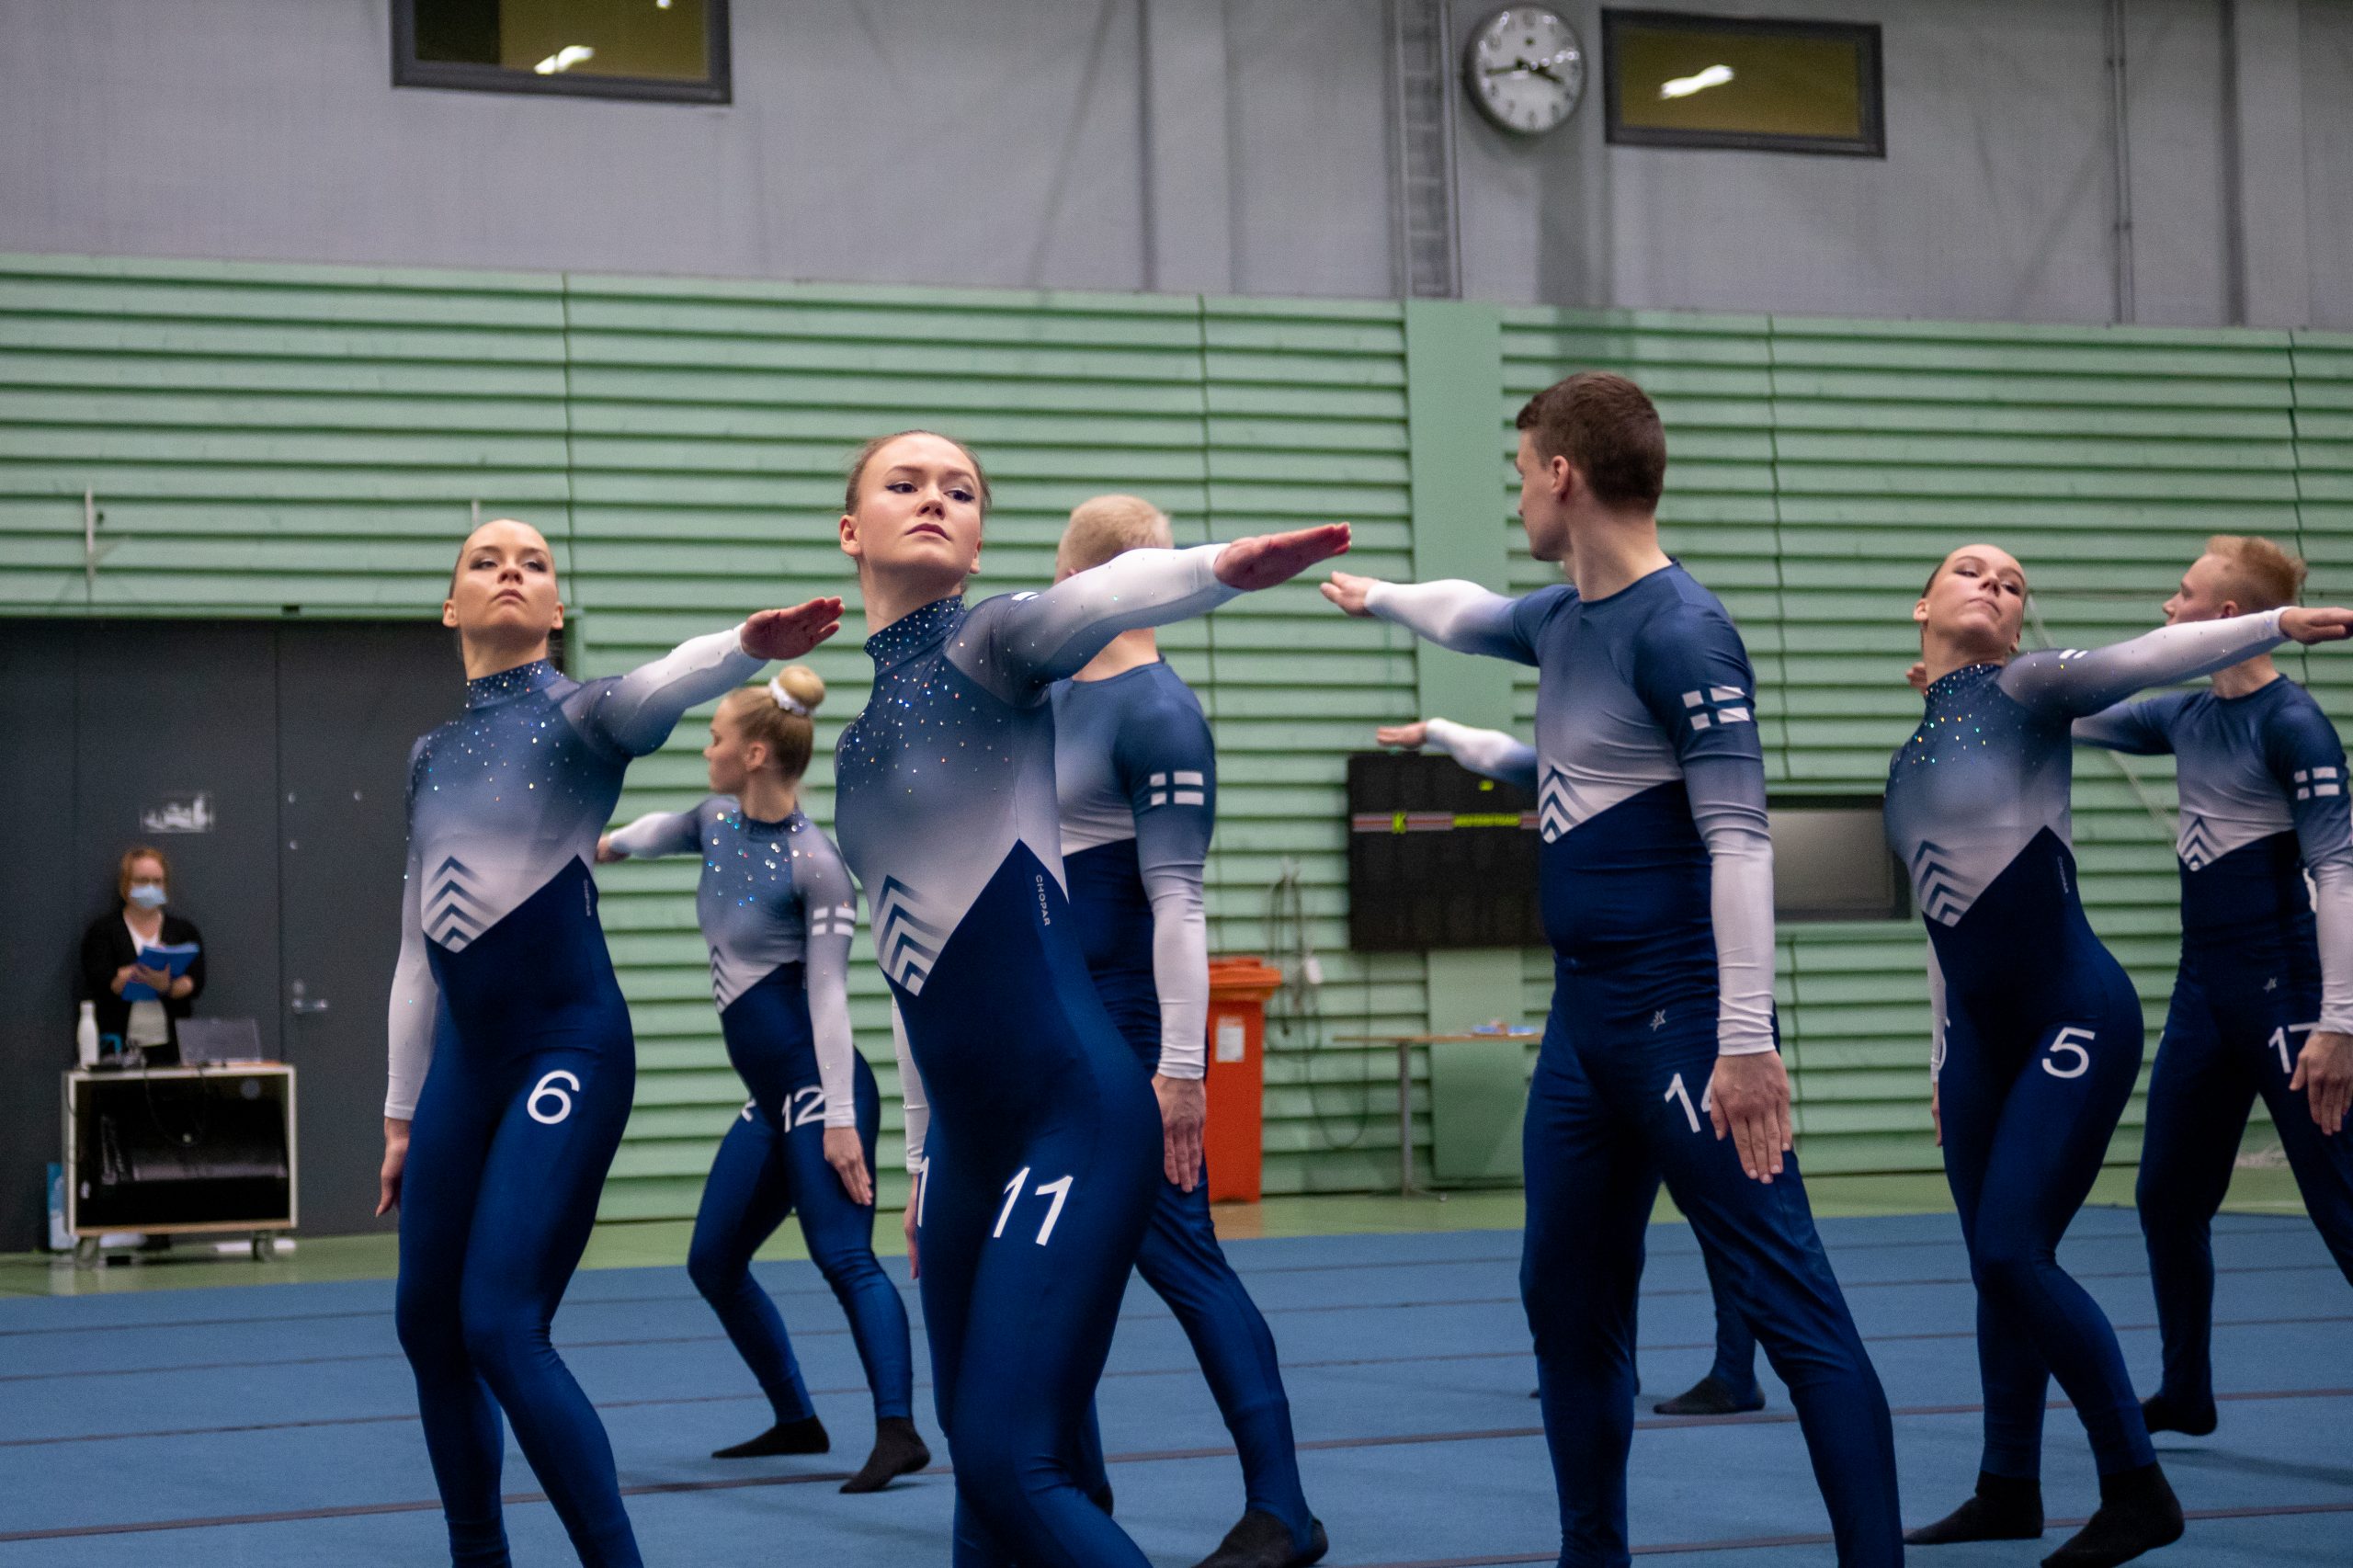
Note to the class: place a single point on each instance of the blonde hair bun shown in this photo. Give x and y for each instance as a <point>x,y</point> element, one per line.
<point>798,686</point>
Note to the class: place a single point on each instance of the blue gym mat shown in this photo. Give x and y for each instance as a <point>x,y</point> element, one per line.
<point>275,1425</point>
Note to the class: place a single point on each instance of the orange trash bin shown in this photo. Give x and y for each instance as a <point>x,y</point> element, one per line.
<point>1234,1143</point>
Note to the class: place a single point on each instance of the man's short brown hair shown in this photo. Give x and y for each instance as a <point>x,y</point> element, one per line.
<point>1108,526</point>
<point>1609,429</point>
<point>2264,575</point>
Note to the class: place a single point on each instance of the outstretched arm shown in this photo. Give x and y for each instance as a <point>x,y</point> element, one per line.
<point>1489,753</point>
<point>635,713</point>
<point>2130,727</point>
<point>2075,682</point>
<point>1038,638</point>
<point>1451,612</point>
<point>653,836</point>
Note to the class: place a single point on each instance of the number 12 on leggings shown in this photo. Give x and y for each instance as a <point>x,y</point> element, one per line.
<point>1059,1188</point>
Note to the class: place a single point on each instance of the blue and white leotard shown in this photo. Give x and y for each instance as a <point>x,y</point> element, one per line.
<point>1136,775</point>
<point>1656,877</point>
<point>511,1054</point>
<point>2038,1029</point>
<point>1039,1136</point>
<point>777,910</point>
<point>2265,961</point>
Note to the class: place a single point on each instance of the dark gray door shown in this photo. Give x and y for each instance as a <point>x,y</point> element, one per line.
<point>40,910</point>
<point>351,700</point>
<point>177,746</point>
<point>267,760</point>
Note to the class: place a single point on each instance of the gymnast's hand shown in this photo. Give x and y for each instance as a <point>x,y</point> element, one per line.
<point>1749,1099</point>
<point>1411,736</point>
<point>1263,559</point>
<point>1936,1112</point>
<point>2324,1069</point>
<point>1348,590</point>
<point>789,633</point>
<point>388,1180</point>
<point>1184,1111</point>
<point>1916,677</point>
<point>606,854</point>
<point>846,1155</point>
<point>2315,625</point>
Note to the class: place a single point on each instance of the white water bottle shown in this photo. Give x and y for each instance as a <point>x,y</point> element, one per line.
<point>85,1035</point>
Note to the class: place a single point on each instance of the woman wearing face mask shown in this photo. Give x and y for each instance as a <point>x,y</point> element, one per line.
<point>777,909</point>
<point>1038,1146</point>
<point>138,1006</point>
<point>2037,1032</point>
<point>512,1062</point>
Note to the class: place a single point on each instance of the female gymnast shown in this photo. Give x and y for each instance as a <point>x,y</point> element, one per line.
<point>2037,1031</point>
<point>1034,1131</point>
<point>777,909</point>
<point>512,1060</point>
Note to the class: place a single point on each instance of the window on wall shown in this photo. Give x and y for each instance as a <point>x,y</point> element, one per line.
<point>1831,861</point>
<point>1674,80</point>
<point>674,50</point>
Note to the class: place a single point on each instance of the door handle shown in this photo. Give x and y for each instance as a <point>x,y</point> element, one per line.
<point>306,1005</point>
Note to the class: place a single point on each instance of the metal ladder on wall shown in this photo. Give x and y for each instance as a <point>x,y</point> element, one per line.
<point>1425,239</point>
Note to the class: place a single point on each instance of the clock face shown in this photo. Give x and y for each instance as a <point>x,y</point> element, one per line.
<point>1526,69</point>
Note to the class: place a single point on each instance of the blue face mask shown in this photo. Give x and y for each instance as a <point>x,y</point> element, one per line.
<point>147,895</point>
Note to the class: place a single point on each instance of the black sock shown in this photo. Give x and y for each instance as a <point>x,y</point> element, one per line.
<point>1261,1541</point>
<point>2138,1512</point>
<point>806,1435</point>
<point>898,1449</point>
<point>2163,1413</point>
<point>2005,1507</point>
<point>1708,1396</point>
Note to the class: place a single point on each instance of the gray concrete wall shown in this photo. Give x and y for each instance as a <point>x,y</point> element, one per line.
<point>1242,145</point>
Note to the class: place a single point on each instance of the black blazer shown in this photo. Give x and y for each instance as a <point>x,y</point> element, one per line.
<point>106,947</point>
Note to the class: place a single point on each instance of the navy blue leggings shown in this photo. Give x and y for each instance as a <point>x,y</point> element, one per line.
<point>1735,1364</point>
<point>2237,1025</point>
<point>1042,1165</point>
<point>520,1118</point>
<point>2034,1081</point>
<point>1614,1108</point>
<point>772,1164</point>
<point>1182,1262</point>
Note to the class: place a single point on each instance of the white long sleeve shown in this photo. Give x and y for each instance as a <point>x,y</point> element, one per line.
<point>1451,612</point>
<point>912,1099</point>
<point>1740,898</point>
<point>1180,968</point>
<point>636,712</point>
<point>829,905</point>
<point>416,997</point>
<point>1491,753</point>
<point>1936,1015</point>
<point>1038,638</point>
<point>657,833</point>
<point>2079,682</point>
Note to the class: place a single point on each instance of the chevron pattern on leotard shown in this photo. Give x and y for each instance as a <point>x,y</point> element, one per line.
<point>907,944</point>
<point>455,912</point>
<point>2196,846</point>
<point>1553,819</point>
<point>1940,888</point>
